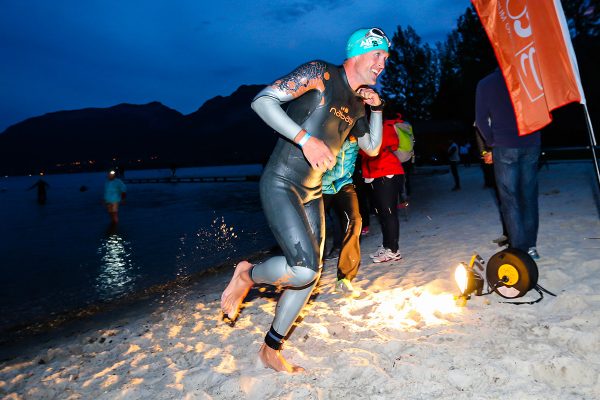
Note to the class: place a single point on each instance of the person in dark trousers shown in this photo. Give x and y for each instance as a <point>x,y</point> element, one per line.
<point>515,160</point>
<point>339,193</point>
<point>325,103</point>
<point>454,159</point>
<point>490,182</point>
<point>385,175</point>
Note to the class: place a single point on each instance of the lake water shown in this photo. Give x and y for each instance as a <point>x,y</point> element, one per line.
<point>63,255</point>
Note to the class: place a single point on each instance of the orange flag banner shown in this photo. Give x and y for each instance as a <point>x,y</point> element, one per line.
<point>532,44</point>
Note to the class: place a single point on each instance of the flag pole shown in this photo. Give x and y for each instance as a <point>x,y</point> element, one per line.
<point>590,130</point>
<point>589,125</point>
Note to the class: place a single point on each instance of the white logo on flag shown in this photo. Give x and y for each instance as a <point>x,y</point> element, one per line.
<point>526,54</point>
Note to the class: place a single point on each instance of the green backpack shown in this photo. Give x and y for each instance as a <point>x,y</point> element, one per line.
<point>406,140</point>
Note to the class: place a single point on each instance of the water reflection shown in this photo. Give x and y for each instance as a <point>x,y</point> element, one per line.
<point>116,269</point>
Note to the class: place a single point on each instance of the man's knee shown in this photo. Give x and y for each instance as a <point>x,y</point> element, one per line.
<point>302,276</point>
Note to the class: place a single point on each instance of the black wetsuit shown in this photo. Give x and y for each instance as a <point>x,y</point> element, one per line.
<point>324,104</point>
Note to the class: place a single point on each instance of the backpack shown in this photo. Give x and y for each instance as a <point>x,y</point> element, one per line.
<point>406,141</point>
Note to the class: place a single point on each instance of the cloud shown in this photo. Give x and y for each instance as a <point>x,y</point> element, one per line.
<point>294,10</point>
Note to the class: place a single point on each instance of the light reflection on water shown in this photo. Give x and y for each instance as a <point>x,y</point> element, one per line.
<point>116,269</point>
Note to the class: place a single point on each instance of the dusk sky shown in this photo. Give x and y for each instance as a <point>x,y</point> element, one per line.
<point>71,54</point>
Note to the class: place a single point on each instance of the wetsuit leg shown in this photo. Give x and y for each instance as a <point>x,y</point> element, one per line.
<point>299,230</point>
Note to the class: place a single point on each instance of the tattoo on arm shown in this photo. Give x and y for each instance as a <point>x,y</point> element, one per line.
<point>307,77</point>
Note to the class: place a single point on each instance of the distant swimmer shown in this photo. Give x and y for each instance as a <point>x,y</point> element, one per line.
<point>41,185</point>
<point>114,192</point>
<point>325,103</point>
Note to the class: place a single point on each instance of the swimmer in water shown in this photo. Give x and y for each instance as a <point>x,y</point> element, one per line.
<point>325,103</point>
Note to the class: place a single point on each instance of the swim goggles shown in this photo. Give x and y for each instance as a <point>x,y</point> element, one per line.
<point>379,34</point>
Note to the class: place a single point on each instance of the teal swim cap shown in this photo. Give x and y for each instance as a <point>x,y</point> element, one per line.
<point>364,40</point>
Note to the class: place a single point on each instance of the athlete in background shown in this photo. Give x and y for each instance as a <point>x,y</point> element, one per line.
<point>115,192</point>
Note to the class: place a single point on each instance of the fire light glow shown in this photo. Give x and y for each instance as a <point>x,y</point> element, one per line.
<point>403,308</point>
<point>461,278</point>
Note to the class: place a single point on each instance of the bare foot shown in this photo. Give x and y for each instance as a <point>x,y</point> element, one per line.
<point>238,288</point>
<point>274,359</point>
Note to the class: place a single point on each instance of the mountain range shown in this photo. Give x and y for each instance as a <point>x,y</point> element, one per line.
<point>224,130</point>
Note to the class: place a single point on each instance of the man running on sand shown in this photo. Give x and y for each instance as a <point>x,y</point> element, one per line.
<point>325,104</point>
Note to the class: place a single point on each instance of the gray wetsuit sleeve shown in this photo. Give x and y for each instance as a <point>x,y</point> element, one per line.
<point>267,105</point>
<point>370,142</point>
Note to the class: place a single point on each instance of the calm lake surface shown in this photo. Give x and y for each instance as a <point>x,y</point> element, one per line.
<point>64,255</point>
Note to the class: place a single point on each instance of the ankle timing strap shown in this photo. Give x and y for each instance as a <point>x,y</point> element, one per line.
<point>273,339</point>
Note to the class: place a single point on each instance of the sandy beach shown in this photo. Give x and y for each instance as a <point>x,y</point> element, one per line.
<point>404,338</point>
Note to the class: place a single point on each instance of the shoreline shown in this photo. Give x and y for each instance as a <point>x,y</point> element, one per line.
<point>20,335</point>
<point>54,324</point>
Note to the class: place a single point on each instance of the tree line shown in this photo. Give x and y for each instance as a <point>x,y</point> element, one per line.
<point>425,82</point>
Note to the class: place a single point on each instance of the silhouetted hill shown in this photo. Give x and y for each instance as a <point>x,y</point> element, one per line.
<point>228,130</point>
<point>223,131</point>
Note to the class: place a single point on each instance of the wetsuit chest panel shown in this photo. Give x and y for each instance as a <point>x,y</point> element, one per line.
<point>329,115</point>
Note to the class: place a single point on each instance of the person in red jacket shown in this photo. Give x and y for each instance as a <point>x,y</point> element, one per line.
<point>385,174</point>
